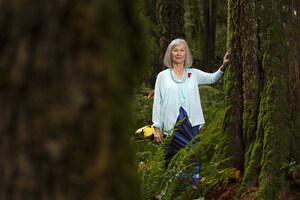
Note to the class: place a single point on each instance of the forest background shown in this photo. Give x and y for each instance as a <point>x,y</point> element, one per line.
<point>248,146</point>
<point>75,79</point>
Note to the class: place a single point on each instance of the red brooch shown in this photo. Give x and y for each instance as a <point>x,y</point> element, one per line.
<point>189,75</point>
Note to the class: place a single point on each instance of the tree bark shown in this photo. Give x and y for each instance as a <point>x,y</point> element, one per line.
<point>206,32</point>
<point>209,33</point>
<point>212,34</point>
<point>274,117</point>
<point>153,41</point>
<point>262,87</point>
<point>67,70</point>
<point>170,19</point>
<point>233,143</point>
<point>197,33</point>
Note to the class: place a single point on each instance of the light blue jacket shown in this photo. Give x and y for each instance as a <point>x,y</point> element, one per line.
<point>170,94</point>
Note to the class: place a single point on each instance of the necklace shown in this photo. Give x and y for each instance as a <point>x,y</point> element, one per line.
<point>173,76</point>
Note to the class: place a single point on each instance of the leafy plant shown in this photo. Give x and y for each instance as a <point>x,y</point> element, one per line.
<point>293,169</point>
<point>142,105</point>
<point>174,181</point>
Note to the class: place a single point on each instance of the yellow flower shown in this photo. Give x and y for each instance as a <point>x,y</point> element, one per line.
<point>141,166</point>
<point>140,130</point>
<point>148,131</point>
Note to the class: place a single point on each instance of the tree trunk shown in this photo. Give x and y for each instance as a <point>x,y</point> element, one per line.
<point>262,88</point>
<point>153,41</point>
<point>197,33</point>
<point>233,143</point>
<point>206,32</point>
<point>67,70</point>
<point>209,34</point>
<point>170,19</point>
<point>188,20</point>
<point>252,84</point>
<point>291,31</point>
<point>212,34</point>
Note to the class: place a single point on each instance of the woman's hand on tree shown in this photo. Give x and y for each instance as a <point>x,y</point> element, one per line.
<point>225,61</point>
<point>158,135</point>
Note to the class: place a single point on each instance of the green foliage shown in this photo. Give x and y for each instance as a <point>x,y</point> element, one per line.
<point>142,106</point>
<point>174,182</point>
<point>211,101</point>
<point>293,168</point>
<point>214,177</point>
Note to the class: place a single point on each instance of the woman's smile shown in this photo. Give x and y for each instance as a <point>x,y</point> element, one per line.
<point>178,53</point>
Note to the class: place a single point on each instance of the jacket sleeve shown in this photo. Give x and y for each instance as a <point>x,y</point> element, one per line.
<point>204,78</point>
<point>156,118</point>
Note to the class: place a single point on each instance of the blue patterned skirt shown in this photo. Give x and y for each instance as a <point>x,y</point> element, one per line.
<point>184,133</point>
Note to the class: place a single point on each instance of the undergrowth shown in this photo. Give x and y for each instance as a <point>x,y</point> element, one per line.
<point>175,181</point>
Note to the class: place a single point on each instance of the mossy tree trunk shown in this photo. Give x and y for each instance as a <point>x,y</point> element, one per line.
<point>232,129</point>
<point>261,128</point>
<point>170,20</point>
<point>67,70</point>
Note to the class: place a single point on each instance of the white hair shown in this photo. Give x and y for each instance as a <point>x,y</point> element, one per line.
<point>168,56</point>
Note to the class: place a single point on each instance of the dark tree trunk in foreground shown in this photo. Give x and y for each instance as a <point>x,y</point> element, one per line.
<point>66,74</point>
<point>262,128</point>
<point>170,20</point>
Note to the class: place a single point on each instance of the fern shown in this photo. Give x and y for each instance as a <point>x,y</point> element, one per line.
<point>154,175</point>
<point>174,182</point>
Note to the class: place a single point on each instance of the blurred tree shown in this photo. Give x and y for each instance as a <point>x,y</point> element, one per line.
<point>212,34</point>
<point>205,25</point>
<point>194,30</point>
<point>67,71</point>
<point>262,125</point>
<point>206,32</point>
<point>152,38</point>
<point>209,33</point>
<point>170,21</point>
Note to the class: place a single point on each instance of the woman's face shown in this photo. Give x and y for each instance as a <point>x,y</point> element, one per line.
<point>178,53</point>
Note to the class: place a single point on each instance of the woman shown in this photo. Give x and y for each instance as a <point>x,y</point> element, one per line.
<point>176,94</point>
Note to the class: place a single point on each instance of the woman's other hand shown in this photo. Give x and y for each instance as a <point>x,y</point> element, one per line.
<point>158,135</point>
<point>225,61</point>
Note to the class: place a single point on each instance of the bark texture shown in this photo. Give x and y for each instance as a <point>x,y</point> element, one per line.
<point>233,143</point>
<point>262,88</point>
<point>66,74</point>
<point>170,20</point>
<point>206,32</point>
<point>209,34</point>
<point>155,65</point>
<point>212,33</point>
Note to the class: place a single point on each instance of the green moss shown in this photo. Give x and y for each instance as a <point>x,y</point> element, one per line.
<point>275,147</point>
<point>254,154</point>
<point>272,181</point>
